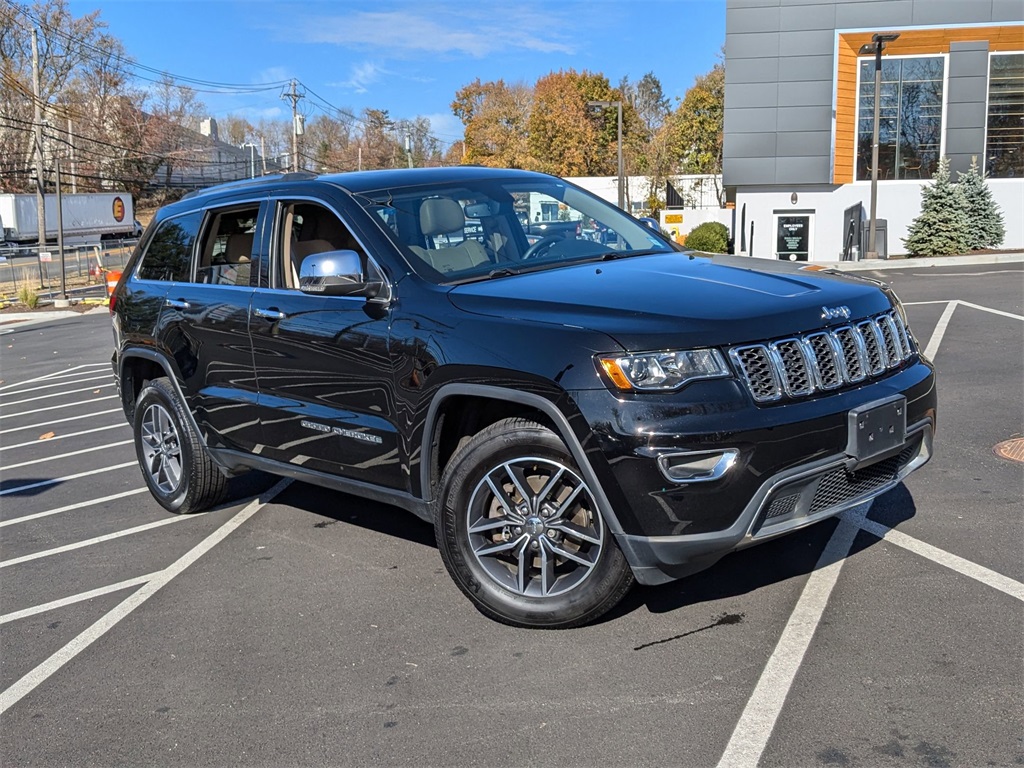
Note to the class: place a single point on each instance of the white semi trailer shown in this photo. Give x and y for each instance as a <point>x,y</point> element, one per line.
<point>87,218</point>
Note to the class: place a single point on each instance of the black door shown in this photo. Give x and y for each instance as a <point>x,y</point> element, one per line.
<point>206,327</point>
<point>325,380</point>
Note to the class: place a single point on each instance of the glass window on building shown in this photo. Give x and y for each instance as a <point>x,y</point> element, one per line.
<point>1004,143</point>
<point>909,119</point>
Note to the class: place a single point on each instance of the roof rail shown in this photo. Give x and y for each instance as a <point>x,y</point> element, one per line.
<point>294,176</point>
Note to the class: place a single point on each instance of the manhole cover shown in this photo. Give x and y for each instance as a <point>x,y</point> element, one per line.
<point>1011,449</point>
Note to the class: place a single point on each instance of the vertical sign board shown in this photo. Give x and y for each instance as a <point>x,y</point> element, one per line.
<point>793,237</point>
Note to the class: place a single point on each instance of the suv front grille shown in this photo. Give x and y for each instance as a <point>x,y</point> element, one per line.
<point>823,360</point>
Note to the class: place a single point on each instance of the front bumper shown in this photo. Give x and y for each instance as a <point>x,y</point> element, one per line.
<point>787,502</point>
<point>792,466</point>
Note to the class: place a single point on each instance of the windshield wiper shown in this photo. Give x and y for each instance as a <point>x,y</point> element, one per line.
<point>502,272</point>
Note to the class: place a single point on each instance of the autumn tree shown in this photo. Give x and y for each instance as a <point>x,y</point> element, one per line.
<point>648,150</point>
<point>496,117</point>
<point>695,128</point>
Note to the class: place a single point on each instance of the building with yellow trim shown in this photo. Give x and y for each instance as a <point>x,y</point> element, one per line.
<point>799,113</point>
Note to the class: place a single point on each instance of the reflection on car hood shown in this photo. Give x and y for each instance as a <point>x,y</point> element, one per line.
<point>676,300</point>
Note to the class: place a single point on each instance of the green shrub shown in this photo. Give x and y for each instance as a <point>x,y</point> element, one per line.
<point>710,237</point>
<point>985,228</point>
<point>941,229</point>
<point>28,297</point>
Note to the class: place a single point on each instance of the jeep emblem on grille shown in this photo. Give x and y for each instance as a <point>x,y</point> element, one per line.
<point>831,313</point>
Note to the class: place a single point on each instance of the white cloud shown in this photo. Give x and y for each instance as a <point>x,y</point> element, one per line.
<point>361,77</point>
<point>459,32</point>
<point>272,75</point>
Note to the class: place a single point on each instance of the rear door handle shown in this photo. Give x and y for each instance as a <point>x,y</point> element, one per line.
<point>269,314</point>
<point>176,303</point>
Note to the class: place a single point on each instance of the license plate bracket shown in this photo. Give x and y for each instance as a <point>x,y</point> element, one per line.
<point>877,428</point>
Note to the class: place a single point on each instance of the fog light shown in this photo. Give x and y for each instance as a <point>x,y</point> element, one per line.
<point>697,466</point>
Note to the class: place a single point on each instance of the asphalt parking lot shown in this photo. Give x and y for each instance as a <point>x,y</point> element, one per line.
<point>298,626</point>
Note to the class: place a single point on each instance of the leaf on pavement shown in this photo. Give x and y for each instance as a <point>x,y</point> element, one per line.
<point>47,436</point>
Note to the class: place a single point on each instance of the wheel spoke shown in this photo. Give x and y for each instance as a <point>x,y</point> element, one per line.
<point>503,546</point>
<point>575,531</point>
<point>564,506</point>
<point>491,523</point>
<point>574,556</point>
<point>503,499</point>
<point>547,567</point>
<point>173,466</point>
<point>518,477</point>
<point>550,486</point>
<point>525,560</point>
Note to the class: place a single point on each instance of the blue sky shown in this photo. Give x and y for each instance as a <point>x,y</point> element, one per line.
<point>409,57</point>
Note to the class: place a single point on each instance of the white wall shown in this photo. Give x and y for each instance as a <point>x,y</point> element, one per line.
<point>702,190</point>
<point>899,202</point>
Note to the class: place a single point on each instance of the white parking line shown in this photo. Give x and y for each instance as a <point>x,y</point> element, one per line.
<point>55,438</point>
<point>61,374</point>
<point>55,480</point>
<point>41,673</point>
<point>940,330</point>
<point>106,376</point>
<point>751,734</point>
<point>960,565</point>
<point>8,467</point>
<point>89,542</point>
<point>990,309</point>
<point>60,421</point>
<point>70,507</point>
<point>80,597</point>
<point>56,407</point>
<point>52,395</point>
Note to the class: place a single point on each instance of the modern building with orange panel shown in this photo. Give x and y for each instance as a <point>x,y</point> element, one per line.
<point>800,104</point>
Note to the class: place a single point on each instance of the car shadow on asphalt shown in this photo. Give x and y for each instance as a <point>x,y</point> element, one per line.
<point>751,569</point>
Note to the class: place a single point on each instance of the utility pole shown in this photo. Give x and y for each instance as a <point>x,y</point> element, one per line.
<point>63,301</point>
<point>37,127</point>
<point>71,144</point>
<point>293,95</point>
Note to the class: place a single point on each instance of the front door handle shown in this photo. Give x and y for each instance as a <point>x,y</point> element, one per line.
<point>271,313</point>
<point>176,303</point>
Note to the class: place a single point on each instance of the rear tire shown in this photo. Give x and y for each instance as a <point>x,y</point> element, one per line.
<point>520,532</point>
<point>173,458</point>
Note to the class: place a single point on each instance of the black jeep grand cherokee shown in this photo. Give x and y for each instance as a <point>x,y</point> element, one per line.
<point>571,414</point>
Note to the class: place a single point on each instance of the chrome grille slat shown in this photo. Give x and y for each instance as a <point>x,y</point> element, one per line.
<point>824,360</point>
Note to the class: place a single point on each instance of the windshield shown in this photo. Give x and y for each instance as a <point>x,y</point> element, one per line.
<point>495,228</point>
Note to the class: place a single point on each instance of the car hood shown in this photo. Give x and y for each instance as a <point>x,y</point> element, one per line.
<point>676,300</point>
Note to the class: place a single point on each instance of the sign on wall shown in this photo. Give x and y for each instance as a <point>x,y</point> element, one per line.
<point>793,237</point>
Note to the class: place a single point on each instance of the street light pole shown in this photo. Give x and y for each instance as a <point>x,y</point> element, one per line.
<point>618,106</point>
<point>876,46</point>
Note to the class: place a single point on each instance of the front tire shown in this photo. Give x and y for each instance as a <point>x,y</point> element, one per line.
<point>520,532</point>
<point>173,459</point>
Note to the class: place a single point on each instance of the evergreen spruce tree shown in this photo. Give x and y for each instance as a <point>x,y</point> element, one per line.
<point>941,227</point>
<point>984,219</point>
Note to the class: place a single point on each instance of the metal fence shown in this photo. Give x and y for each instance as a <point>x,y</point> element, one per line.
<point>84,267</point>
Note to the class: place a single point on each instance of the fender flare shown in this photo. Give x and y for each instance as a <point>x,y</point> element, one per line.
<point>558,419</point>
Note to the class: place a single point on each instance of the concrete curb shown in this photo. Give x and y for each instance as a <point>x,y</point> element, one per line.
<point>924,263</point>
<point>20,319</point>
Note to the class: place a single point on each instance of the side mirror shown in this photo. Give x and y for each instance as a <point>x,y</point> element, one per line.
<point>650,223</point>
<point>336,273</point>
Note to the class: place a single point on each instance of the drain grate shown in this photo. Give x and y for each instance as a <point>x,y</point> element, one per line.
<point>1011,449</point>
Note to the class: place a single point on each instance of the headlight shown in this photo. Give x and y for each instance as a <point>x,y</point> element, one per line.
<point>662,371</point>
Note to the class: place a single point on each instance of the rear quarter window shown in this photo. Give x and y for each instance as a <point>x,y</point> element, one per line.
<point>169,254</point>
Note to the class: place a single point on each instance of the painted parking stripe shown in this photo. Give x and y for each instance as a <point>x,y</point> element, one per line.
<point>55,438</point>
<point>990,309</point>
<point>60,421</point>
<point>61,374</point>
<point>57,407</point>
<point>8,467</point>
<point>53,395</point>
<point>940,330</point>
<point>41,673</point>
<point>13,393</point>
<point>71,600</point>
<point>96,540</point>
<point>71,507</point>
<point>974,571</point>
<point>56,480</point>
<point>751,734</point>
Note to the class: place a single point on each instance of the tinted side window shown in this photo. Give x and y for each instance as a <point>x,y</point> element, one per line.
<point>226,252</point>
<point>169,255</point>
